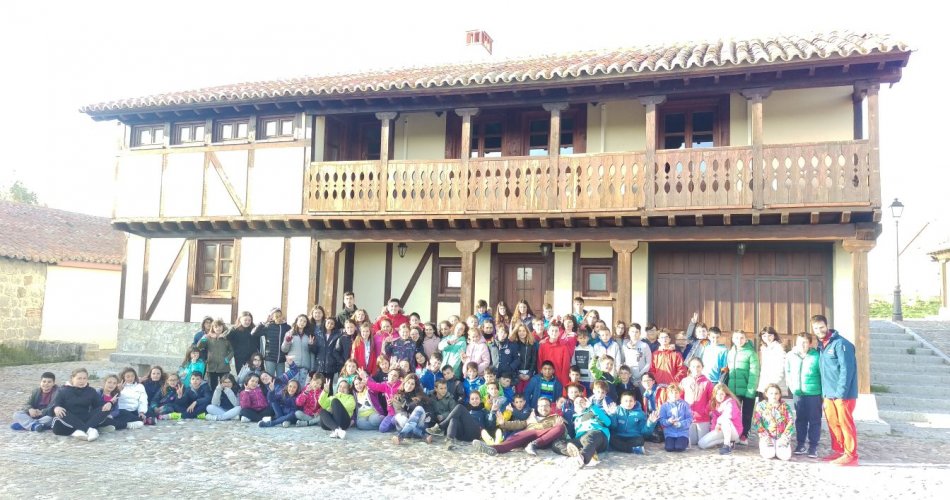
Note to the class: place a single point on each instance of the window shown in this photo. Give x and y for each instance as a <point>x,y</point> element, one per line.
<point>148,135</point>
<point>275,127</point>
<point>188,133</point>
<point>487,139</point>
<point>215,268</point>
<point>449,286</point>
<point>539,131</point>
<point>230,130</point>
<point>693,124</point>
<point>596,281</point>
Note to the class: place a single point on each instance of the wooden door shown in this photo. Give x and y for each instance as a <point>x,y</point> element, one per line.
<point>523,279</point>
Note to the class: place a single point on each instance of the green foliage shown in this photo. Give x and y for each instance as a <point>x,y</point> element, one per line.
<point>911,350</point>
<point>19,193</point>
<point>879,388</point>
<point>912,309</point>
<point>15,356</point>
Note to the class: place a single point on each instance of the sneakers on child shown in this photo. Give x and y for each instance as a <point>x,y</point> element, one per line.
<point>639,450</point>
<point>79,434</point>
<point>265,419</point>
<point>37,427</point>
<point>594,461</point>
<point>264,423</point>
<point>481,447</point>
<point>109,428</point>
<point>136,425</point>
<point>174,416</point>
<point>530,449</point>
<point>813,452</point>
<point>397,440</point>
<point>341,434</point>
<point>149,421</point>
<point>725,450</point>
<point>333,433</point>
<point>846,460</point>
<point>575,453</point>
<point>210,418</point>
<point>92,434</point>
<point>799,450</point>
<point>743,441</point>
<point>285,424</point>
<point>832,457</point>
<point>302,423</point>
<point>245,419</point>
<point>499,436</point>
<point>487,438</point>
<point>202,416</point>
<point>435,430</point>
<point>449,444</point>
<point>17,427</point>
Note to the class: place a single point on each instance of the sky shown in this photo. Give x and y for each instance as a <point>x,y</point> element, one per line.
<point>57,58</point>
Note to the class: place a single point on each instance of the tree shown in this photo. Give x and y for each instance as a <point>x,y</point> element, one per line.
<point>18,192</point>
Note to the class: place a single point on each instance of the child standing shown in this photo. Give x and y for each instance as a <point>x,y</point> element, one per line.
<point>668,366</point>
<point>584,355</point>
<point>219,351</point>
<point>636,353</point>
<point>715,356</point>
<point>773,420</point>
<point>697,392</point>
<point>297,343</point>
<point>557,348</point>
<point>37,415</point>
<point>676,417</point>
<point>743,379</point>
<point>772,361</point>
<point>472,382</point>
<point>224,402</point>
<point>803,376</point>
<point>453,348</point>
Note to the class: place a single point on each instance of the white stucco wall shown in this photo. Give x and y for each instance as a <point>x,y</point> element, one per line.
<point>162,254</point>
<point>261,275</point>
<point>81,305</point>
<point>639,280</point>
<point>625,127</point>
<point>298,283</point>
<point>223,311</point>
<point>419,136</point>
<point>234,164</point>
<point>138,185</point>
<point>842,318</point>
<point>277,181</point>
<point>808,115</point>
<point>403,268</point>
<point>182,184</point>
<point>740,133</point>
<point>563,281</point>
<point>369,273</point>
<point>134,260</point>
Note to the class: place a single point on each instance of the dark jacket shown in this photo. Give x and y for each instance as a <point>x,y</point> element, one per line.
<point>244,343</point>
<point>33,403</point>
<point>442,407</point>
<point>456,390</point>
<point>271,337</point>
<point>839,367</point>
<point>342,350</point>
<point>509,359</point>
<point>322,349</point>
<point>527,356</point>
<point>345,315</point>
<point>282,400</point>
<point>152,388</point>
<point>532,392</point>
<point>80,403</point>
<point>201,395</point>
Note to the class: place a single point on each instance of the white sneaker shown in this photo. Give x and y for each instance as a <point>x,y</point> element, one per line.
<point>211,417</point>
<point>333,433</point>
<point>530,449</point>
<point>265,419</point>
<point>92,434</point>
<point>136,425</point>
<point>106,428</point>
<point>245,419</point>
<point>341,434</point>
<point>79,434</point>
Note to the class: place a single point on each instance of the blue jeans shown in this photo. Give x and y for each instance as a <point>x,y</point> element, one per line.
<point>415,425</point>
<point>807,419</point>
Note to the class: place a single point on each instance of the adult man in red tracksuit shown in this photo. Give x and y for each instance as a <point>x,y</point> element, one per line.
<point>839,388</point>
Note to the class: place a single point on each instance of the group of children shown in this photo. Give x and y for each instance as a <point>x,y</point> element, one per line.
<point>500,381</point>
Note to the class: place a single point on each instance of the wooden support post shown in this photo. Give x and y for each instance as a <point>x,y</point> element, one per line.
<point>467,295</point>
<point>466,146</point>
<point>330,249</point>
<point>651,103</point>
<point>624,249</point>
<point>757,96</point>
<point>859,283</point>
<point>554,146</point>
<point>874,142</point>
<point>386,120</point>
<point>857,105</point>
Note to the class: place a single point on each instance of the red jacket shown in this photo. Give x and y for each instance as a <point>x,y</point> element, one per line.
<point>668,366</point>
<point>397,320</point>
<point>359,355</point>
<point>698,393</point>
<point>309,401</point>
<point>560,354</point>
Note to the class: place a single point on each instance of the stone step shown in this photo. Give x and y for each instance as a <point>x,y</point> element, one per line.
<point>902,351</point>
<point>908,369</point>
<point>910,403</point>
<point>908,376</point>
<point>934,418</point>
<point>890,336</point>
<point>885,326</point>
<point>898,344</point>
<point>913,388</point>
<point>918,358</point>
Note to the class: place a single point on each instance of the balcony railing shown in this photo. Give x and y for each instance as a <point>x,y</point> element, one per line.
<point>827,174</point>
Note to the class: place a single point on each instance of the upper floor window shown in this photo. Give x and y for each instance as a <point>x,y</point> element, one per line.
<point>274,127</point>
<point>693,124</point>
<point>188,133</point>
<point>215,270</point>
<point>148,135</point>
<point>230,130</point>
<point>487,138</point>
<point>539,131</point>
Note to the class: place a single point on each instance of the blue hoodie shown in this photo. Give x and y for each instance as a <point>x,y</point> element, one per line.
<point>593,418</point>
<point>681,410</point>
<point>631,423</point>
<point>533,391</point>
<point>839,367</point>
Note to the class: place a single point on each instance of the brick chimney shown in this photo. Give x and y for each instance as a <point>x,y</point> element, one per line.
<point>476,41</point>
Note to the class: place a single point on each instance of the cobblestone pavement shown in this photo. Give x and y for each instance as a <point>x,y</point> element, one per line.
<point>199,459</point>
<point>935,332</point>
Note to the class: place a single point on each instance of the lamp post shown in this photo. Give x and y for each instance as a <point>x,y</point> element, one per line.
<point>897,208</point>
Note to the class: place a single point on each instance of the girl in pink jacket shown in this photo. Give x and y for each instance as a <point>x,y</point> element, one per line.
<point>254,405</point>
<point>726,421</point>
<point>477,351</point>
<point>389,388</point>
<point>697,392</point>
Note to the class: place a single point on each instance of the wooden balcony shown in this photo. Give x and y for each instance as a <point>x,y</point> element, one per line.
<point>789,178</point>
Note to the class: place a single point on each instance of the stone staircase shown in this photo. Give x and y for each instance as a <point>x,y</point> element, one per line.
<point>910,381</point>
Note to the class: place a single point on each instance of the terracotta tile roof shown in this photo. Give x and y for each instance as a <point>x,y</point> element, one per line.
<point>602,63</point>
<point>40,234</point>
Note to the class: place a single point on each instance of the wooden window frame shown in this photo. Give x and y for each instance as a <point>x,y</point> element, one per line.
<point>219,125</point>
<point>443,292</point>
<point>478,135</point>
<point>200,258</point>
<point>280,119</point>
<point>588,269</point>
<point>152,128</point>
<point>718,105</point>
<point>175,139</point>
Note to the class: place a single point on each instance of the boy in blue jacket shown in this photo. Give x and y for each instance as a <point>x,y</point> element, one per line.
<point>543,384</point>
<point>197,397</point>
<point>629,426</point>
<point>592,428</point>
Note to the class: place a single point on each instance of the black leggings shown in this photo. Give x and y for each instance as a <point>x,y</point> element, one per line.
<point>214,378</point>
<point>461,425</point>
<point>591,442</point>
<point>256,415</point>
<point>71,423</point>
<point>336,417</point>
<point>748,408</point>
<point>625,444</point>
<point>122,420</point>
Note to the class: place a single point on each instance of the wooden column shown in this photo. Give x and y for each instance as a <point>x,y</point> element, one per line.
<point>857,106</point>
<point>874,141</point>
<point>651,103</point>
<point>466,146</point>
<point>386,120</point>
<point>624,249</point>
<point>554,144</point>
<point>859,282</point>
<point>330,250</point>
<point>467,296</point>
<point>944,302</point>
<point>756,96</point>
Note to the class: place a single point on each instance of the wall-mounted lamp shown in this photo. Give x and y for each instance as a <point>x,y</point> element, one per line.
<point>439,113</point>
<point>740,249</point>
<point>401,248</point>
<point>546,249</point>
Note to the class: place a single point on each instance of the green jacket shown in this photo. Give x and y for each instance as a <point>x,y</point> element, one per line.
<point>802,374</point>
<point>743,366</point>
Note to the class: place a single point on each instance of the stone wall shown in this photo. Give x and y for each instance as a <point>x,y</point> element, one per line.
<point>22,288</point>
<point>55,351</point>
<point>158,338</point>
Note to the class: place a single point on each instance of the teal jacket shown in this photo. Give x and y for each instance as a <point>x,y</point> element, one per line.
<point>803,374</point>
<point>839,368</point>
<point>594,418</point>
<point>743,370</point>
<point>631,423</point>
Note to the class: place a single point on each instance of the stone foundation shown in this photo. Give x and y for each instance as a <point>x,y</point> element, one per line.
<point>22,289</point>
<point>142,344</point>
<point>55,351</point>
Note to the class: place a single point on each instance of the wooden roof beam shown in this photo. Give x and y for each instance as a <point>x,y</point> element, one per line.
<point>498,223</point>
<point>644,221</point>
<point>814,217</point>
<point>475,223</point>
<point>592,222</point>
<point>727,219</point>
<point>784,218</point>
<point>671,220</point>
<point>543,221</point>
<point>846,217</point>
<point>699,220</point>
<point>755,219</point>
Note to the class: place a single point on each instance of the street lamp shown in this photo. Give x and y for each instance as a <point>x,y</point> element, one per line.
<point>897,208</point>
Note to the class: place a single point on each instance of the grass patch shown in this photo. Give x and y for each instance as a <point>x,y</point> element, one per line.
<point>16,356</point>
<point>911,350</point>
<point>880,388</point>
<point>912,309</point>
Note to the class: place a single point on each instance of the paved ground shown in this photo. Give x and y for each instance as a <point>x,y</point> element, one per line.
<point>224,459</point>
<point>935,332</point>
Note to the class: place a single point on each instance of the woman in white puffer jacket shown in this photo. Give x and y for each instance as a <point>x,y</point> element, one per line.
<point>772,359</point>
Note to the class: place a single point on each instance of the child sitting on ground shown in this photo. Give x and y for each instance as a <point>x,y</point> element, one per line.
<point>726,421</point>
<point>676,417</point>
<point>308,401</point>
<point>37,415</point>
<point>253,401</point>
<point>197,397</point>
<point>284,405</point>
<point>168,399</point>
<point>224,402</point>
<point>592,429</point>
<point>629,426</point>
<point>132,402</point>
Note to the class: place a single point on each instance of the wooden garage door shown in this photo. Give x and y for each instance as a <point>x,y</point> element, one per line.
<point>781,287</point>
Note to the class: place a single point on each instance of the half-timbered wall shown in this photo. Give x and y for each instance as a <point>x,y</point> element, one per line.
<point>808,115</point>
